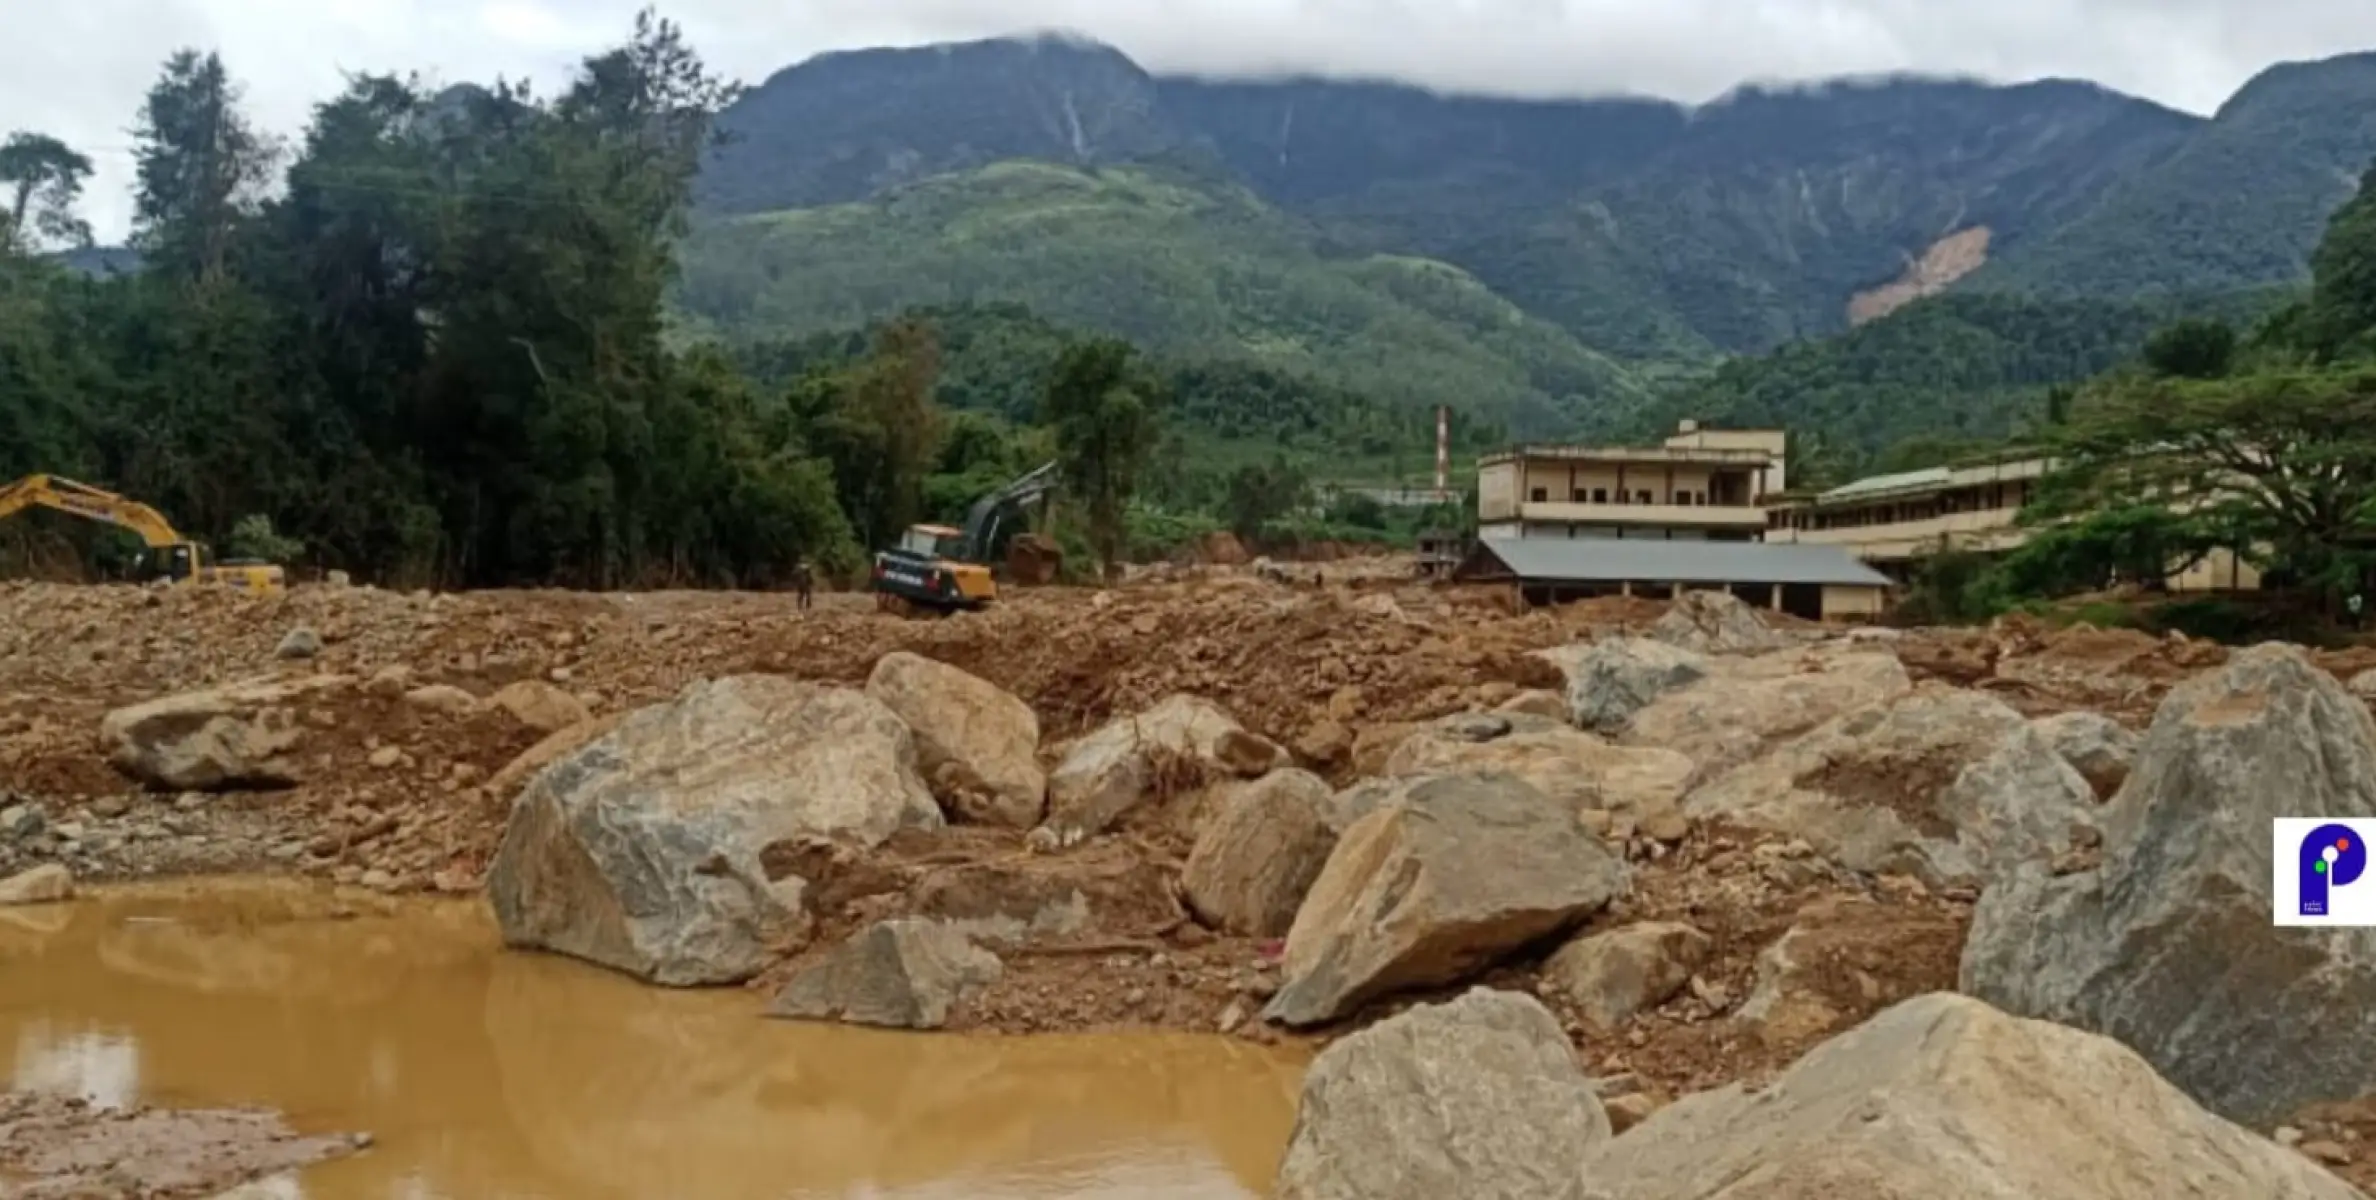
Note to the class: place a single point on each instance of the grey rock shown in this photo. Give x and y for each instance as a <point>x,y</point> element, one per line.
<point>1617,677</point>
<point>1949,786</point>
<point>41,885</point>
<point>23,821</point>
<point>1616,973</point>
<point>640,849</point>
<point>1442,881</point>
<point>1121,765</point>
<point>1478,1097</point>
<point>1943,1097</point>
<point>1260,853</point>
<point>903,974</point>
<point>1574,768</point>
<point>298,644</point>
<point>2096,745</point>
<point>1715,623</point>
<point>1747,704</point>
<point>241,735</point>
<point>977,744</point>
<point>2169,944</point>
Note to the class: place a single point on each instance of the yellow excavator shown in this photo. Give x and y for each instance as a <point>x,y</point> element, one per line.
<point>170,555</point>
<point>940,569</point>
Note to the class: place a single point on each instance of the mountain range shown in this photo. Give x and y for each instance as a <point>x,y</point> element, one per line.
<point>1552,263</point>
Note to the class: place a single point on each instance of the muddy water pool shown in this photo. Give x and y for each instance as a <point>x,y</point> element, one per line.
<point>493,1075</point>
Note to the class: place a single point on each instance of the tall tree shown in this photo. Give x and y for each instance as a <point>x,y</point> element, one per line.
<point>43,178</point>
<point>2280,465</point>
<point>2341,311</point>
<point>202,166</point>
<point>878,424</point>
<point>1102,407</point>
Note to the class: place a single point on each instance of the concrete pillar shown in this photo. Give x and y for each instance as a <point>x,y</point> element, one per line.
<point>1625,589</point>
<point>1777,604</point>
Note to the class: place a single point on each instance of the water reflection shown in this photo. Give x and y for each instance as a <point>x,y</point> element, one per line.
<point>491,1076</point>
<point>99,1067</point>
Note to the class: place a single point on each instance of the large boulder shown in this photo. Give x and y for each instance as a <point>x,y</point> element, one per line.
<point>2098,746</point>
<point>1716,623</point>
<point>1571,766</point>
<point>1260,852</point>
<point>903,974</point>
<point>2169,944</point>
<point>1478,1097</point>
<point>977,744</point>
<point>1944,1098</point>
<point>1613,974</point>
<point>1183,741</point>
<point>242,735</point>
<point>640,850</point>
<point>1942,784</point>
<point>1443,880</point>
<point>1748,704</point>
<point>1615,678</point>
<point>45,884</point>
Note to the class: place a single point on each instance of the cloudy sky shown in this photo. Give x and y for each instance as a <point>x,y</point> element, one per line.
<point>79,71</point>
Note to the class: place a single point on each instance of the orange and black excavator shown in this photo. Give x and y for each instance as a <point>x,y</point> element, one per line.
<point>938,569</point>
<point>170,555</point>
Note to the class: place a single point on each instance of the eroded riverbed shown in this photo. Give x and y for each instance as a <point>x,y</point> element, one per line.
<point>487,1075</point>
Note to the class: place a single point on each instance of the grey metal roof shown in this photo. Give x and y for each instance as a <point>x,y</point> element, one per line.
<point>1627,560</point>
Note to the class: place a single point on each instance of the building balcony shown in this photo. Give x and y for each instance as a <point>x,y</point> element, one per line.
<point>1693,516</point>
<point>1986,530</point>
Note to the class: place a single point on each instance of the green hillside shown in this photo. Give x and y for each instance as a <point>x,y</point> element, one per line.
<point>2240,203</point>
<point>1167,258</point>
<point>1956,368</point>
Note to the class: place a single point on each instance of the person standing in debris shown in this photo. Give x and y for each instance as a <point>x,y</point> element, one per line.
<point>2353,605</point>
<point>804,580</point>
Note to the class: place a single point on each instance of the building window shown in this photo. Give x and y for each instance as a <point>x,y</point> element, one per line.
<point>1683,498</point>
<point>1538,495</point>
<point>1642,497</point>
<point>1700,498</point>
<point>1576,494</point>
<point>1600,495</point>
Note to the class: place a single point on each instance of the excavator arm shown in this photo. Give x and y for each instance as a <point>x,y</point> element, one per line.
<point>991,512</point>
<point>83,500</point>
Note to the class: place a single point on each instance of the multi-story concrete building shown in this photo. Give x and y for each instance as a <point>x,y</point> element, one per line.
<point>1889,521</point>
<point>1699,485</point>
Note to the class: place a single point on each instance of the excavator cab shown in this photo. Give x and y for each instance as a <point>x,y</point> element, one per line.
<point>929,570</point>
<point>933,541</point>
<point>177,563</point>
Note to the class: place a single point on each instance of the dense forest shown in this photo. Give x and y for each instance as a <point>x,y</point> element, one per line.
<point>440,352</point>
<point>2259,439</point>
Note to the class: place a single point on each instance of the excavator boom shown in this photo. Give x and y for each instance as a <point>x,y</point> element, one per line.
<point>83,500</point>
<point>178,558</point>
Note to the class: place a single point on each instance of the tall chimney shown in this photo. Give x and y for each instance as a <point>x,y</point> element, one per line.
<point>1443,488</point>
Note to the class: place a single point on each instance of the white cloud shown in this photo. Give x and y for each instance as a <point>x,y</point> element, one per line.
<point>79,72</point>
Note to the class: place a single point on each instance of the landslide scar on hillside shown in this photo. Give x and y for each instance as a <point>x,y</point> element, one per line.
<point>1948,259</point>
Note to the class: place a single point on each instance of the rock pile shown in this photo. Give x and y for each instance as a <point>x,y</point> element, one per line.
<point>1722,846</point>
